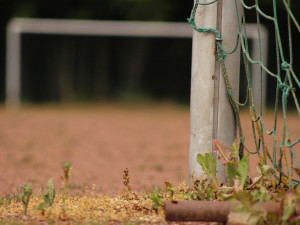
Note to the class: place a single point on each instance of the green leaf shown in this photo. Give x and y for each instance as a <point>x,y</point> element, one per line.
<point>224,197</point>
<point>49,196</point>
<point>243,168</point>
<point>246,201</point>
<point>243,218</point>
<point>234,151</point>
<point>41,206</point>
<point>209,192</point>
<point>208,164</point>
<point>187,196</point>
<point>246,211</point>
<point>156,199</point>
<point>262,194</point>
<point>232,173</point>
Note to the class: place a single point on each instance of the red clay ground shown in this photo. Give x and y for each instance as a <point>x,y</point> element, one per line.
<point>100,141</point>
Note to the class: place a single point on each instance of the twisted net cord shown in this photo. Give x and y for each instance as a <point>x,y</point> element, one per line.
<point>285,77</point>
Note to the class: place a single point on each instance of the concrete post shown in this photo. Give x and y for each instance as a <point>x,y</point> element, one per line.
<point>211,114</point>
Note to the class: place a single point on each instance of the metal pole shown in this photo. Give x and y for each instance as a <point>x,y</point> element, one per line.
<point>212,116</point>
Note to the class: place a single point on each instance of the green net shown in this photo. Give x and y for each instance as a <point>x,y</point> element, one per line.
<point>281,155</point>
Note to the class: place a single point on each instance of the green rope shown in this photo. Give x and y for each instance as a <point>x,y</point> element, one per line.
<point>291,15</point>
<point>287,84</point>
<point>191,20</point>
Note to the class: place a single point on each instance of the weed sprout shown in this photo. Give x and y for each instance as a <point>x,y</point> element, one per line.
<point>25,196</point>
<point>48,197</point>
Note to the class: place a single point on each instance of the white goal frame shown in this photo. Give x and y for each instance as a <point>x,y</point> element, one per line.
<point>17,26</point>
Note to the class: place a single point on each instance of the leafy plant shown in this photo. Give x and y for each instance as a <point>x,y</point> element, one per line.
<point>48,197</point>
<point>208,164</point>
<point>203,190</point>
<point>156,199</point>
<point>248,213</point>
<point>246,191</point>
<point>235,170</point>
<point>261,194</point>
<point>232,172</point>
<point>243,169</point>
<point>26,191</point>
<point>266,177</point>
<point>229,156</point>
<point>245,212</point>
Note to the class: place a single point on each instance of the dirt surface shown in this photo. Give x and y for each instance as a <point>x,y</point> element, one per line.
<point>100,141</point>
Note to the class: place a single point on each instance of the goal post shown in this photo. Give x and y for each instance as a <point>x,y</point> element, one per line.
<point>16,27</point>
<point>211,114</point>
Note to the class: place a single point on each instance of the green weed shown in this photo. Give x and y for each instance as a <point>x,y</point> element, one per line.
<point>9,198</point>
<point>208,164</point>
<point>246,191</point>
<point>48,197</point>
<point>26,191</point>
<point>246,212</point>
<point>156,199</point>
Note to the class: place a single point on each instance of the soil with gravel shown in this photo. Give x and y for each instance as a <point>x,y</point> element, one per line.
<point>101,140</point>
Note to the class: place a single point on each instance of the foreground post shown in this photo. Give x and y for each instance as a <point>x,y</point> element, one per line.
<point>212,211</point>
<point>211,114</point>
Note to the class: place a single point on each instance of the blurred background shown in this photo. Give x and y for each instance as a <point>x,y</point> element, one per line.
<point>64,68</point>
<point>152,142</point>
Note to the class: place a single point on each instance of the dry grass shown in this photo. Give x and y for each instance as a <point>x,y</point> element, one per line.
<point>91,208</point>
